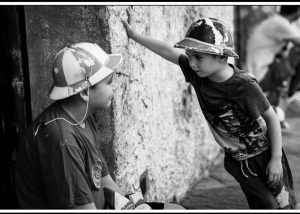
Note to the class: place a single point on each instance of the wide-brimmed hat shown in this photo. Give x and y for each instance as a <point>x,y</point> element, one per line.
<point>79,66</point>
<point>208,35</point>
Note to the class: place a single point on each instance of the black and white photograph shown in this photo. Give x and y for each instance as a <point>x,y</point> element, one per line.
<point>150,106</point>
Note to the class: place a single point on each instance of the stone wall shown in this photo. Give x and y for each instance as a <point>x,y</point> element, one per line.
<point>154,134</point>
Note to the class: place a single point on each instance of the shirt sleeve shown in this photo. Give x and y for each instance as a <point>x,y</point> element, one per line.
<point>254,100</point>
<point>283,30</point>
<point>188,72</point>
<point>66,182</point>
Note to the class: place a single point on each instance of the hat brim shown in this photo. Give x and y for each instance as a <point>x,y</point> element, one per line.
<point>198,46</point>
<point>58,93</point>
<point>114,60</point>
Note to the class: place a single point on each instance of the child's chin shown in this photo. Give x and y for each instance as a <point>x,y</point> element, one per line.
<point>201,74</point>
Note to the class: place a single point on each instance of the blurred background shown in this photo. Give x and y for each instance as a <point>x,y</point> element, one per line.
<point>154,136</point>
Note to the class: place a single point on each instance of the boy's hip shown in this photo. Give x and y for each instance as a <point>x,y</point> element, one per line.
<point>243,154</point>
<point>251,175</point>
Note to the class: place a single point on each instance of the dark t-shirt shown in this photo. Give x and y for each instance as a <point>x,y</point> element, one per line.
<point>60,167</point>
<point>233,110</point>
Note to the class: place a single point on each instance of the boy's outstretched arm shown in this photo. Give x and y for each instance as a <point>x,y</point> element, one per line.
<point>159,47</point>
<point>274,167</point>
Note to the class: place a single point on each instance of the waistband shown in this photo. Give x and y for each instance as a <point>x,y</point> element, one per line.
<point>240,156</point>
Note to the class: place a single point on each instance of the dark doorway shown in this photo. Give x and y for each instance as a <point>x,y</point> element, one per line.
<point>15,109</point>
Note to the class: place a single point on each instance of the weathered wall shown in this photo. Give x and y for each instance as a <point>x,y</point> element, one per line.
<point>159,127</point>
<point>155,127</point>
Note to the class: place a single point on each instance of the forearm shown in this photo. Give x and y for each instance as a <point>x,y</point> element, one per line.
<point>274,133</point>
<point>161,48</point>
<point>108,182</point>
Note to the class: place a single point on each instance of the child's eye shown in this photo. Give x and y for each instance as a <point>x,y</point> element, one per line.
<point>197,57</point>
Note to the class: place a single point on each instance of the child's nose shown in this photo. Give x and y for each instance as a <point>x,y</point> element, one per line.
<point>192,63</point>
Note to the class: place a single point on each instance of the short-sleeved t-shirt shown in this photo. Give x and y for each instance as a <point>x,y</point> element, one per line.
<point>233,110</point>
<point>267,39</point>
<point>60,167</point>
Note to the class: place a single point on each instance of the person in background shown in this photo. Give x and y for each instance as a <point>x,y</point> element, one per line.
<point>266,55</point>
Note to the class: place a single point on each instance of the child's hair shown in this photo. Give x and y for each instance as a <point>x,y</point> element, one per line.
<point>289,9</point>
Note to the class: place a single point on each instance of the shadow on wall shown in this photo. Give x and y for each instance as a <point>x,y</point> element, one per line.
<point>104,120</point>
<point>144,183</point>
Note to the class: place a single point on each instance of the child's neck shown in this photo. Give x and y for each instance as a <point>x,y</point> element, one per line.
<point>76,109</point>
<point>223,74</point>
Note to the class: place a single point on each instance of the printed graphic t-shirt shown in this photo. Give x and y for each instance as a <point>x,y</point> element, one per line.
<point>233,110</point>
<point>60,167</point>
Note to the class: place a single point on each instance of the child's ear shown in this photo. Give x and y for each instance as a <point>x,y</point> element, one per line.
<point>84,95</point>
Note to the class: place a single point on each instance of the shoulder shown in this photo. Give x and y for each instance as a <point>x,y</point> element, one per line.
<point>246,77</point>
<point>244,81</point>
<point>51,128</point>
<point>242,76</point>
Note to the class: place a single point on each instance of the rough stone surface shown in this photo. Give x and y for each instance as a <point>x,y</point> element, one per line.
<point>159,127</point>
<point>154,133</point>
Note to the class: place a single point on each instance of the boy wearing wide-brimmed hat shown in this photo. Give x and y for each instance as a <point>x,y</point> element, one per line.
<point>58,164</point>
<point>240,117</point>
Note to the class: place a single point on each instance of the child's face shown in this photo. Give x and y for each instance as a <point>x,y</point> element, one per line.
<point>101,93</point>
<point>203,64</point>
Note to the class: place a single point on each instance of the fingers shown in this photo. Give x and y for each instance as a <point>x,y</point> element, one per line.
<point>274,179</point>
<point>270,181</point>
<point>129,11</point>
<point>129,21</point>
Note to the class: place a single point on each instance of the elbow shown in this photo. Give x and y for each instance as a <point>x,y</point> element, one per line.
<point>270,116</point>
<point>272,119</point>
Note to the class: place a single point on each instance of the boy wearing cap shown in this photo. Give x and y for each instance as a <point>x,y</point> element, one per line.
<point>58,164</point>
<point>238,114</point>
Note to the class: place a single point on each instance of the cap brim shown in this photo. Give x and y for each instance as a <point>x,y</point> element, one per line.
<point>114,60</point>
<point>187,43</point>
<point>58,93</point>
<point>202,47</point>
